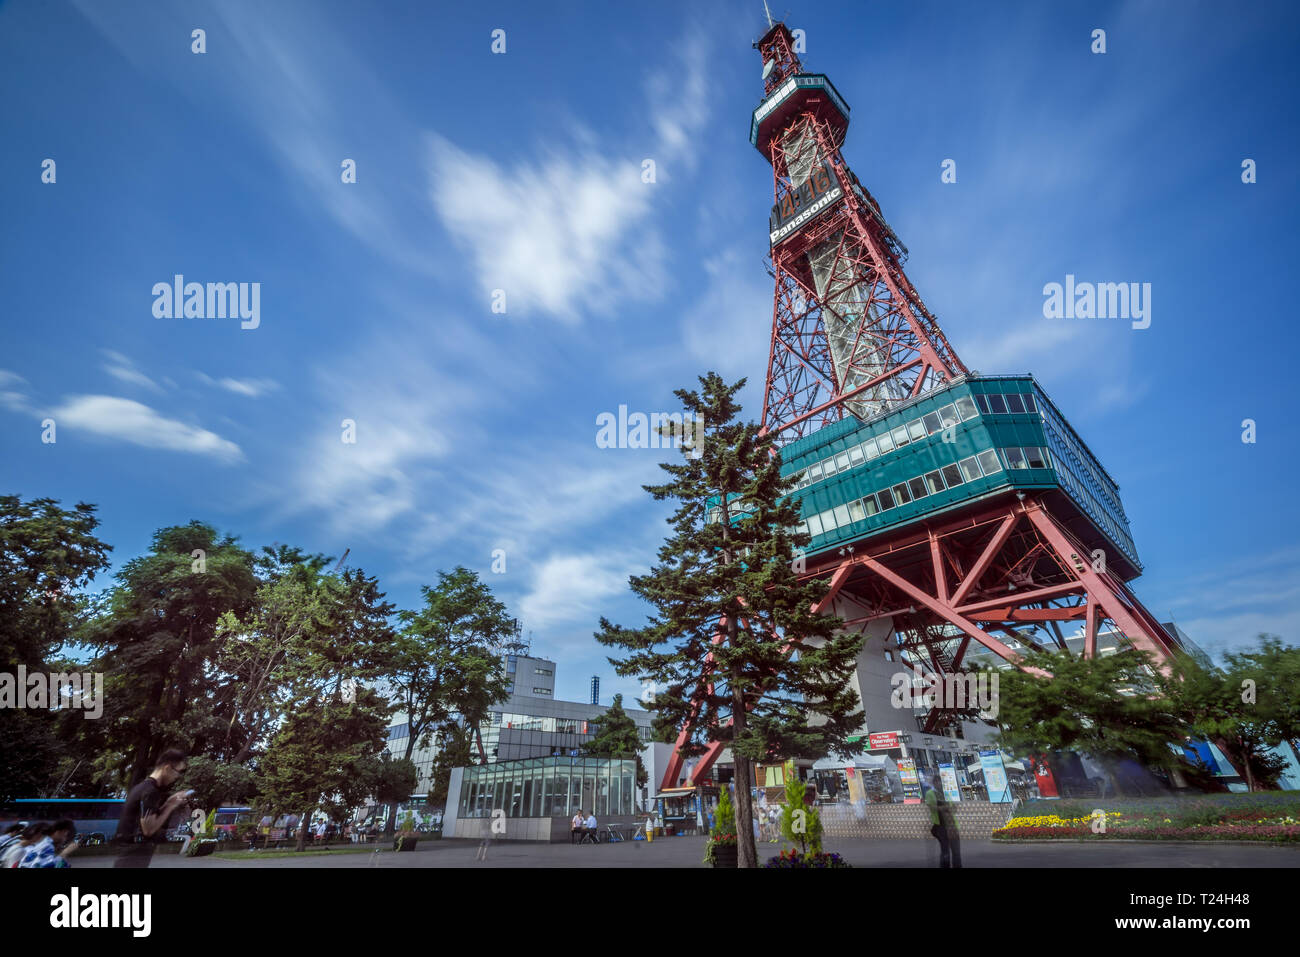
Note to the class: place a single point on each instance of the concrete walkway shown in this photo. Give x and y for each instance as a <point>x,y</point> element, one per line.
<point>689,852</point>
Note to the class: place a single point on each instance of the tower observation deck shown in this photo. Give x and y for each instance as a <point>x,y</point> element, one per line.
<point>958,516</point>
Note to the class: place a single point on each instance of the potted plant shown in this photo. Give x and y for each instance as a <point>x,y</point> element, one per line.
<point>205,841</point>
<point>721,850</point>
<point>406,837</point>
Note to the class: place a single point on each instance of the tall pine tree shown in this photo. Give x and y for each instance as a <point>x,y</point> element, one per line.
<point>734,642</point>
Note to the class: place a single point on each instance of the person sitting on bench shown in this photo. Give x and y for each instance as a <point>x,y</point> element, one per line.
<point>578,827</point>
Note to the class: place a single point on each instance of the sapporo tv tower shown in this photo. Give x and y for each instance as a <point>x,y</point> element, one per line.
<point>959,516</point>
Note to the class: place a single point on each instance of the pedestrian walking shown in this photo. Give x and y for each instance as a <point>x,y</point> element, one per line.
<point>943,826</point>
<point>143,823</point>
<point>31,834</point>
<point>488,834</point>
<point>54,847</point>
<point>12,835</point>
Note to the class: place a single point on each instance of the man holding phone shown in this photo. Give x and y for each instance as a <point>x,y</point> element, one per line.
<point>145,813</point>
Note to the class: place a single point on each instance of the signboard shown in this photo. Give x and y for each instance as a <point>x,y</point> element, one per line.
<point>1043,776</point>
<point>882,741</point>
<point>800,204</point>
<point>948,777</point>
<point>995,777</point>
<point>911,781</point>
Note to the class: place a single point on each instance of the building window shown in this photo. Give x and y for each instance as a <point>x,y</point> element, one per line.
<point>989,461</point>
<point>1013,402</point>
<point>951,475</point>
<point>970,468</point>
<point>886,499</point>
<point>915,429</point>
<point>982,402</point>
<point>917,487</point>
<point>885,442</point>
<point>932,423</point>
<point>1015,458</point>
<point>901,495</point>
<point>935,481</point>
<point>966,408</point>
<point>541,691</point>
<point>997,404</point>
<point>1035,457</point>
<point>543,671</point>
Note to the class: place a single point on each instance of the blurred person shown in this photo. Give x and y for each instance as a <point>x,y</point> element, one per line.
<point>13,833</point>
<point>53,848</point>
<point>143,824</point>
<point>31,834</point>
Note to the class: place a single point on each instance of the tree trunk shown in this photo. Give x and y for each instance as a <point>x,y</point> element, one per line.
<point>302,829</point>
<point>746,854</point>
<point>1245,763</point>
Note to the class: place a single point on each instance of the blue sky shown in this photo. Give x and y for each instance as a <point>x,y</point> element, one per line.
<point>521,172</point>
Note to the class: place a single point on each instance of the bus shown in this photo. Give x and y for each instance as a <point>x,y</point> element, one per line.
<point>96,818</point>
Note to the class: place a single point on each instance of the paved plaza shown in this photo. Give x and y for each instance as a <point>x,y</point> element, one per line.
<point>689,852</point>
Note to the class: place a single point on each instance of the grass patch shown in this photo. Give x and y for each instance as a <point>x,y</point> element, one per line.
<point>308,852</point>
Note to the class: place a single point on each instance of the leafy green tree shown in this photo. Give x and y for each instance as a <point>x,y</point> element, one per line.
<point>455,751</point>
<point>318,748</point>
<point>47,554</point>
<point>256,648</point>
<point>618,737</point>
<point>1221,706</point>
<point>733,641</point>
<point>395,782</point>
<point>447,658</point>
<point>801,822</point>
<point>1109,707</point>
<point>724,818</point>
<point>217,784</point>
<point>1273,672</point>
<point>157,633</point>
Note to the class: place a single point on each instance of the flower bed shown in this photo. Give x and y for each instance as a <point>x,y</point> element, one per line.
<point>1236,817</point>
<point>793,859</point>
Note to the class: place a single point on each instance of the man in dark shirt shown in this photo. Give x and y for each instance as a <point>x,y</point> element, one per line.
<point>144,814</point>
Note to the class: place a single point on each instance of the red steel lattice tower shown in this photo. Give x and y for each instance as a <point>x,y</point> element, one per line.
<point>850,334</point>
<point>957,516</point>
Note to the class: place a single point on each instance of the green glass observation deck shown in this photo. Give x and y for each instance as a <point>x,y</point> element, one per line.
<point>972,441</point>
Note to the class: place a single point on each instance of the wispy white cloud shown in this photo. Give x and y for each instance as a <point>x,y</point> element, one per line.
<point>575,588</point>
<point>679,104</point>
<point>252,388</point>
<point>124,370</point>
<point>125,420</point>
<point>559,236</point>
<point>11,395</point>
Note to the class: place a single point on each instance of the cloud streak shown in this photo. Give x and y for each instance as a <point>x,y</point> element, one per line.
<point>125,420</point>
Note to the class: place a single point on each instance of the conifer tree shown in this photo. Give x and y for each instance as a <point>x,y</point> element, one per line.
<point>733,641</point>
